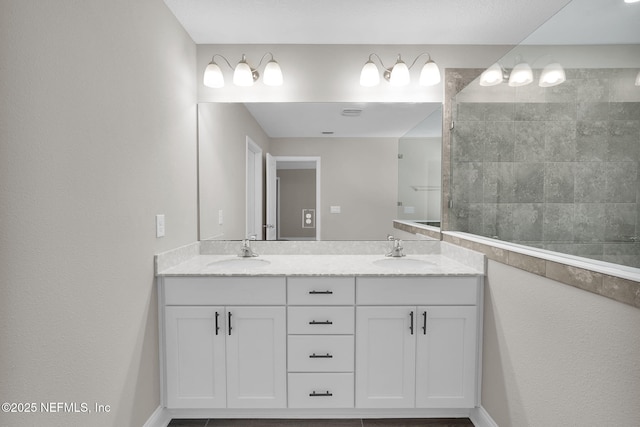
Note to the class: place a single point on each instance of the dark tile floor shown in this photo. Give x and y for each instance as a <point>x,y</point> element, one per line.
<point>439,422</point>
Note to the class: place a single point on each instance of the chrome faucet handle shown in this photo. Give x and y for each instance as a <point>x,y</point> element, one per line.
<point>246,251</point>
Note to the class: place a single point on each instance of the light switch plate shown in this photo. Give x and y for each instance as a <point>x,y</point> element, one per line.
<point>335,209</point>
<point>159,225</point>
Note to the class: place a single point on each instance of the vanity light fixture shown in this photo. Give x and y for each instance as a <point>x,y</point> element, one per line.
<point>398,75</point>
<point>493,75</point>
<point>552,75</point>
<point>521,75</point>
<point>631,1</point>
<point>243,74</point>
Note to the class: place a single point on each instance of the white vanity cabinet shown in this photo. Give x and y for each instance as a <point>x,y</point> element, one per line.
<point>410,355</point>
<point>321,346</point>
<point>228,355</point>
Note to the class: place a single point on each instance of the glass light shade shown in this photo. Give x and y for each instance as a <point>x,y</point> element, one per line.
<point>631,1</point>
<point>213,76</point>
<point>242,76</point>
<point>369,75</point>
<point>272,74</point>
<point>430,74</point>
<point>492,76</point>
<point>521,75</point>
<point>400,74</point>
<point>638,79</point>
<point>552,75</point>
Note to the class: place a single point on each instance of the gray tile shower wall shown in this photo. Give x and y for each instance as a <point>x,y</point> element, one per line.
<point>555,168</point>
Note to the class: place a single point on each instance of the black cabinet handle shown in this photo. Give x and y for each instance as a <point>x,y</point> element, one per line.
<point>326,322</point>
<point>321,292</point>
<point>424,325</point>
<point>217,326</point>
<point>320,356</point>
<point>314,394</point>
<point>411,322</point>
<point>230,324</point>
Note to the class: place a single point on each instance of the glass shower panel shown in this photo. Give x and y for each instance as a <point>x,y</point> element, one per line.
<point>555,168</point>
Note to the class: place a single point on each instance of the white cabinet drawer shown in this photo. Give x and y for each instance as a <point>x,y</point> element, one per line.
<point>320,320</point>
<point>320,353</point>
<point>321,290</point>
<point>417,290</point>
<point>321,390</point>
<point>225,291</point>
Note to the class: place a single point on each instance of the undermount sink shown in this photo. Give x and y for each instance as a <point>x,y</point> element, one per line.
<point>393,262</point>
<point>240,263</point>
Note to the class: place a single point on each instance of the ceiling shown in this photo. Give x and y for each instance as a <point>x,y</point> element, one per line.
<point>407,21</point>
<point>362,21</point>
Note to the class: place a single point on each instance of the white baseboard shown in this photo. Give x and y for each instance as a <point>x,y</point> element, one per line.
<point>481,418</point>
<point>160,418</point>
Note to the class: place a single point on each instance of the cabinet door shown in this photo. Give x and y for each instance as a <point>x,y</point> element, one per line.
<point>256,357</point>
<point>195,357</point>
<point>385,357</point>
<point>446,357</point>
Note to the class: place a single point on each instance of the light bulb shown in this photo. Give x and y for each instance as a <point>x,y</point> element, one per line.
<point>492,76</point>
<point>213,76</point>
<point>552,75</point>
<point>521,75</point>
<point>369,75</point>
<point>400,74</point>
<point>273,74</point>
<point>430,74</point>
<point>243,76</point>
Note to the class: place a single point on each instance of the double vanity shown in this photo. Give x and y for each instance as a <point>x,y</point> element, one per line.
<point>320,330</point>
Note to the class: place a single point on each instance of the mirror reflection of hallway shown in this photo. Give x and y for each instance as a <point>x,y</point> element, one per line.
<point>294,198</point>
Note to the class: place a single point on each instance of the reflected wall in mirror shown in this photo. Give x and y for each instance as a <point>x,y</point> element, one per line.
<point>419,172</point>
<point>356,142</point>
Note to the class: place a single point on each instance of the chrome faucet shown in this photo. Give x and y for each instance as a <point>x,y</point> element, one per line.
<point>246,251</point>
<point>396,249</point>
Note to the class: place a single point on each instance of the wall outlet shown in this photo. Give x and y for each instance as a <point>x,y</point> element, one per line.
<point>159,225</point>
<point>220,217</point>
<point>308,218</point>
<point>335,209</point>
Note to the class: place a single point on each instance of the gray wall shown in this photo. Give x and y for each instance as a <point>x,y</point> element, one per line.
<point>297,192</point>
<point>98,135</point>
<point>555,168</point>
<point>555,355</point>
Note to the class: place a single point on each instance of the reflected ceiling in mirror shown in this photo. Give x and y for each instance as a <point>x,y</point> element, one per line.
<point>343,120</point>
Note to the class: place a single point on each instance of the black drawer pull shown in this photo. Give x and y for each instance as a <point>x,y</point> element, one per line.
<point>424,327</point>
<point>320,292</point>
<point>320,356</point>
<point>327,394</point>
<point>411,322</point>
<point>326,322</point>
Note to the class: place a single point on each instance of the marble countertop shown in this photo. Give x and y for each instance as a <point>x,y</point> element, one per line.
<point>321,265</point>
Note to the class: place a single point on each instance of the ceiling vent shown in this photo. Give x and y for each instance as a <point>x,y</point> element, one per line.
<point>351,112</point>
